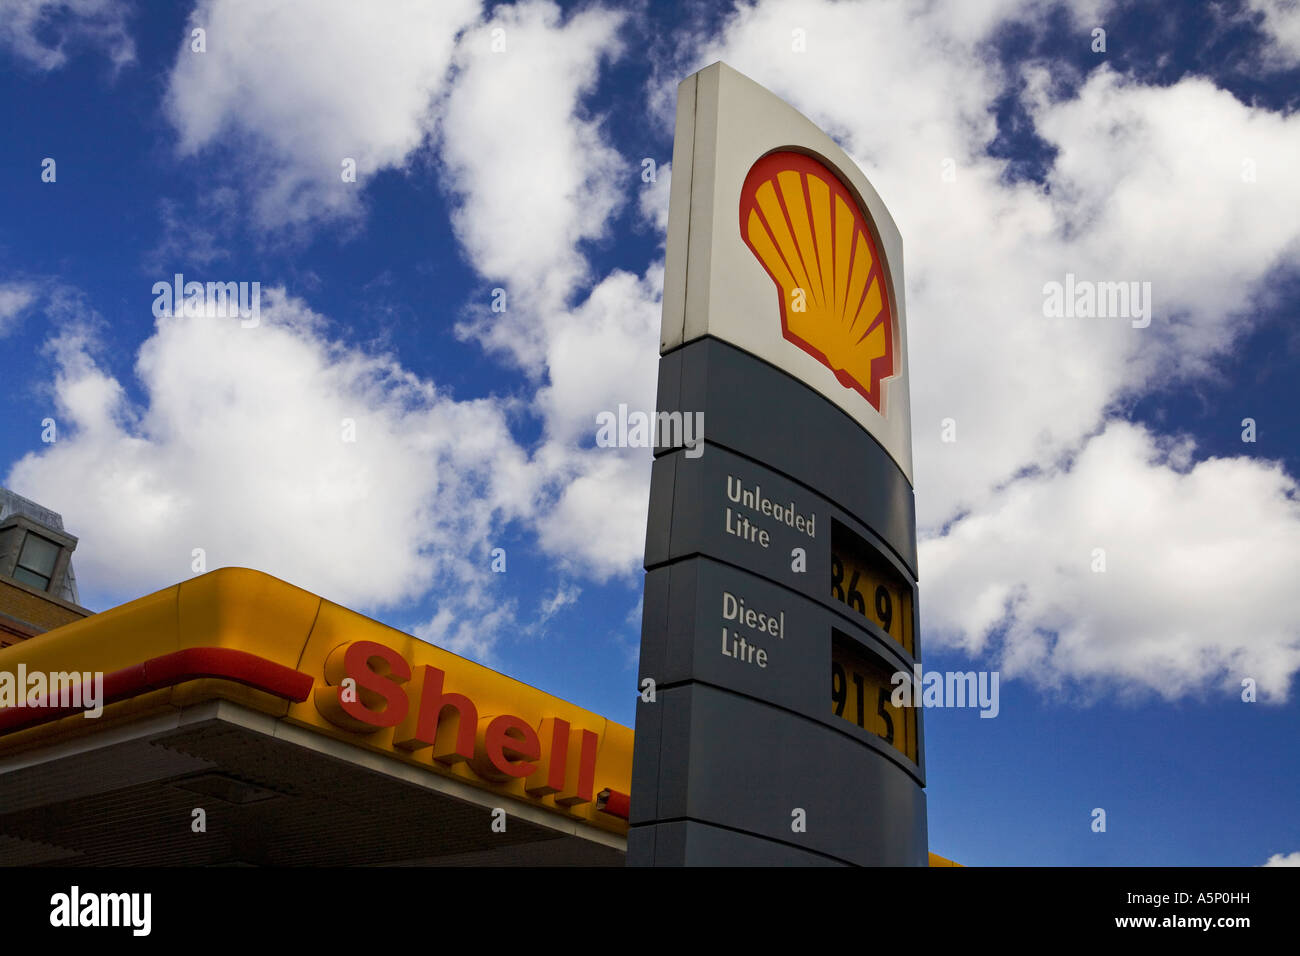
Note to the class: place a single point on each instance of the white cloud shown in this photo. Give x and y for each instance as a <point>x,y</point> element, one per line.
<point>1177,185</point>
<point>603,352</point>
<point>294,88</point>
<point>530,175</point>
<point>600,355</point>
<point>227,417</point>
<point>597,523</point>
<point>1198,589</point>
<point>239,448</point>
<point>1147,186</point>
<point>42,31</point>
<point>1284,859</point>
<point>14,298</point>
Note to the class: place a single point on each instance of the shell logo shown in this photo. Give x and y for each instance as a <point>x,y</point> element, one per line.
<point>809,233</point>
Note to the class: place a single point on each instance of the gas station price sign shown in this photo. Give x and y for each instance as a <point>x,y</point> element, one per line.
<point>864,582</point>
<point>861,692</point>
<point>788,334</point>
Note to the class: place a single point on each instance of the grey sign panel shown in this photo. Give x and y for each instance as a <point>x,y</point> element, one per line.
<point>780,603</point>
<point>731,761</point>
<point>730,508</point>
<point>732,629</point>
<point>755,410</point>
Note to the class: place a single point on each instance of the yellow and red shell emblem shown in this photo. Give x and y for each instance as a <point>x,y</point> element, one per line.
<point>809,233</point>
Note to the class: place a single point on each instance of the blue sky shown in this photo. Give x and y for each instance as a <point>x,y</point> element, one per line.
<point>1168,157</point>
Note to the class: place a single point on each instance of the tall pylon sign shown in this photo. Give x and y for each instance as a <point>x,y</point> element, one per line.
<point>780,609</point>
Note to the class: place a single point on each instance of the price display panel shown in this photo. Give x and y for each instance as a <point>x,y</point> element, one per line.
<point>868,584</point>
<point>861,692</point>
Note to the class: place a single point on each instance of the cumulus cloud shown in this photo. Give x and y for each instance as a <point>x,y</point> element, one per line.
<point>293,89</point>
<point>1284,859</point>
<point>1179,186</point>
<point>236,445</point>
<point>531,176</point>
<point>602,354</point>
<point>1128,565</point>
<point>242,446</point>
<point>1169,186</point>
<point>41,32</point>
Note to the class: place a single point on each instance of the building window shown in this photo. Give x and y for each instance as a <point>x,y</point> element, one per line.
<point>36,561</point>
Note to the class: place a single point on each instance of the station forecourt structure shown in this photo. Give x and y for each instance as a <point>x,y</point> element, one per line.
<point>227,693</point>
<point>234,718</point>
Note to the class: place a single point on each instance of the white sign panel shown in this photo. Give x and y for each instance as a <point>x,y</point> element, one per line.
<point>778,245</point>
